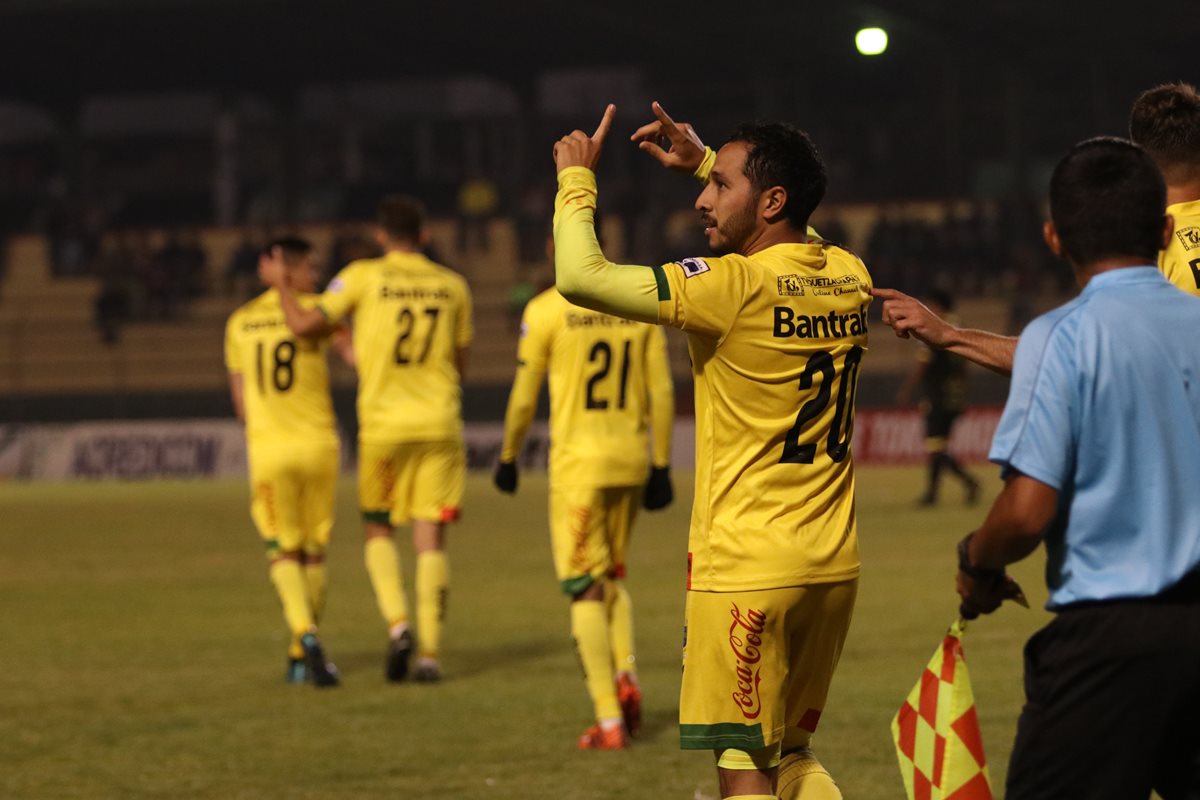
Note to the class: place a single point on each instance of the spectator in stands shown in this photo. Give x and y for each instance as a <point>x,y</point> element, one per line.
<point>241,276</point>
<point>114,302</point>
<point>478,202</point>
<point>192,265</point>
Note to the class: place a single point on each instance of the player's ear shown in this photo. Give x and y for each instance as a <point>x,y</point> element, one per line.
<point>772,203</point>
<point>1050,234</point>
<point>423,239</point>
<point>1168,229</point>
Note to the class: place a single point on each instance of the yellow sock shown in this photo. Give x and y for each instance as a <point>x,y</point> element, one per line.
<point>317,577</point>
<point>752,797</point>
<point>293,595</point>
<point>383,566</point>
<point>589,626</point>
<point>620,626</point>
<point>801,777</point>
<point>433,582</point>
<point>295,649</point>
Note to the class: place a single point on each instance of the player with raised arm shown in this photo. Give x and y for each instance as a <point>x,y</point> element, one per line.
<point>412,328</point>
<point>1165,121</point>
<point>609,377</point>
<point>280,388</point>
<point>777,329</point>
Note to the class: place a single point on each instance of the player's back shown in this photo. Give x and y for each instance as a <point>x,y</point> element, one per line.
<point>411,317</point>
<point>1180,261</point>
<point>774,414</point>
<point>285,378</point>
<point>600,373</point>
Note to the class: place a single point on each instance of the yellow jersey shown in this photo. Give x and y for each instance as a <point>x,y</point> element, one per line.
<point>776,341</point>
<point>410,318</point>
<point>609,377</point>
<point>1180,262</point>
<point>285,378</point>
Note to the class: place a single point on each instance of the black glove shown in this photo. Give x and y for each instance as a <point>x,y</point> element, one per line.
<point>659,493</point>
<point>505,477</point>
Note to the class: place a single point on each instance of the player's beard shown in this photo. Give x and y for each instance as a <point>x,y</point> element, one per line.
<point>733,231</point>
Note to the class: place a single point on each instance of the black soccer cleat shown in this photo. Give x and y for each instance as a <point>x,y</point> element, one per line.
<point>322,673</point>
<point>399,650</point>
<point>428,670</point>
<point>297,671</point>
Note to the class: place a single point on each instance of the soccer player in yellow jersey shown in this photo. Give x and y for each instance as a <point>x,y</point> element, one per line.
<point>608,378</point>
<point>777,328</point>
<point>280,388</point>
<point>412,327</point>
<point>1165,121</point>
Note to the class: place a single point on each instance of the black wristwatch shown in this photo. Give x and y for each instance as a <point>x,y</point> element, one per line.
<point>965,565</point>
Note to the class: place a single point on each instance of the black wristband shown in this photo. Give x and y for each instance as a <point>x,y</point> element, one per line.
<point>965,565</point>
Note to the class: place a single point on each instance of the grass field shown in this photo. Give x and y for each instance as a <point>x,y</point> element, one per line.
<point>142,654</point>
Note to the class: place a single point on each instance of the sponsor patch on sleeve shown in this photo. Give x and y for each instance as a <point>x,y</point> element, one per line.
<point>693,267</point>
<point>335,285</point>
<point>524,330</point>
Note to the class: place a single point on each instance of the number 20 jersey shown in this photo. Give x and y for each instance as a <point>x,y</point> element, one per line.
<point>410,317</point>
<point>776,341</point>
<point>285,379</point>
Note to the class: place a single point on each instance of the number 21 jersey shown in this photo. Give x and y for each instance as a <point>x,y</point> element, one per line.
<point>776,340</point>
<point>410,317</point>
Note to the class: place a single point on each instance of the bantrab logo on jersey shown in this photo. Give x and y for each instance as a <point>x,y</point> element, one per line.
<point>790,286</point>
<point>1189,237</point>
<point>693,267</point>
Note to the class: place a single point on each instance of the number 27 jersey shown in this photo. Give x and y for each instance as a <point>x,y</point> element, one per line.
<point>776,341</point>
<point>410,318</point>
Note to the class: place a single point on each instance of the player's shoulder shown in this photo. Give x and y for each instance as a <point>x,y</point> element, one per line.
<point>254,305</point>
<point>449,275</point>
<point>1054,331</point>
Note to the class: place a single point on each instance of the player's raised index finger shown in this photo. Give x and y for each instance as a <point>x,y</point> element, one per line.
<point>886,294</point>
<point>605,123</point>
<point>668,124</point>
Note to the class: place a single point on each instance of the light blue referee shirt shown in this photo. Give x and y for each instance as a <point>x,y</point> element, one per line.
<point>1105,407</point>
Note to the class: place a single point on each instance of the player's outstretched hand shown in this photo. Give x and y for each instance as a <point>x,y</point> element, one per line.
<point>684,152</point>
<point>908,316</point>
<point>577,149</point>
<point>505,477</point>
<point>659,492</point>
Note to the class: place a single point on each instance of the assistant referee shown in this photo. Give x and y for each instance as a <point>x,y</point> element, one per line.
<point>1099,445</point>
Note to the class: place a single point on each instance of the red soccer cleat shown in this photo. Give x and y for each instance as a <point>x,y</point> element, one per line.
<point>597,738</point>
<point>630,698</point>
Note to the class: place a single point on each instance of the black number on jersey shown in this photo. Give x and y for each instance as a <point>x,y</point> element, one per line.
<point>407,322</point>
<point>602,352</point>
<point>283,373</point>
<point>1195,265</point>
<point>841,428</point>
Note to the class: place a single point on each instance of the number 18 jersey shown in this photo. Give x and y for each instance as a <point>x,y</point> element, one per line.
<point>285,378</point>
<point>776,341</point>
<point>410,317</point>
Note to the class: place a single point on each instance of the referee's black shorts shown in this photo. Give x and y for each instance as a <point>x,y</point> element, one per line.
<point>939,420</point>
<point>1112,702</point>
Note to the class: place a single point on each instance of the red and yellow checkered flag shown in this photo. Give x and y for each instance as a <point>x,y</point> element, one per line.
<point>937,733</point>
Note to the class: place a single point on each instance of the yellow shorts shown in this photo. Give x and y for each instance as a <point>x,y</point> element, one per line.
<point>292,491</point>
<point>411,480</point>
<point>589,531</point>
<point>757,665</point>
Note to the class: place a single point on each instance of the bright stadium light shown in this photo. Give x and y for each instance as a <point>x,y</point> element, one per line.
<point>871,41</point>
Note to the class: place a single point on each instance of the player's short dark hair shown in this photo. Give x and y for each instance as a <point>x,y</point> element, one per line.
<point>1107,199</point>
<point>291,246</point>
<point>402,217</point>
<point>782,155</point>
<point>1166,121</point>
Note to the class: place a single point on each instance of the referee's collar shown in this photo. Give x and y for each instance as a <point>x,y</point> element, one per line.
<point>1124,275</point>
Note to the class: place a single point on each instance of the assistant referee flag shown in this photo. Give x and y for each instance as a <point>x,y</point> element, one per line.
<point>937,733</point>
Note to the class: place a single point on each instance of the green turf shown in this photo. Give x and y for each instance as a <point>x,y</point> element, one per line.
<point>142,655</point>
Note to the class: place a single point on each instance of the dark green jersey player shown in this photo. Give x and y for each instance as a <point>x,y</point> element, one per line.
<point>942,377</point>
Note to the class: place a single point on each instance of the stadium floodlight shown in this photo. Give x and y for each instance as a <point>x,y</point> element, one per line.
<point>871,41</point>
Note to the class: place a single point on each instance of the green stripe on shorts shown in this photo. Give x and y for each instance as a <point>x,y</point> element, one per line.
<point>574,586</point>
<point>721,735</point>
